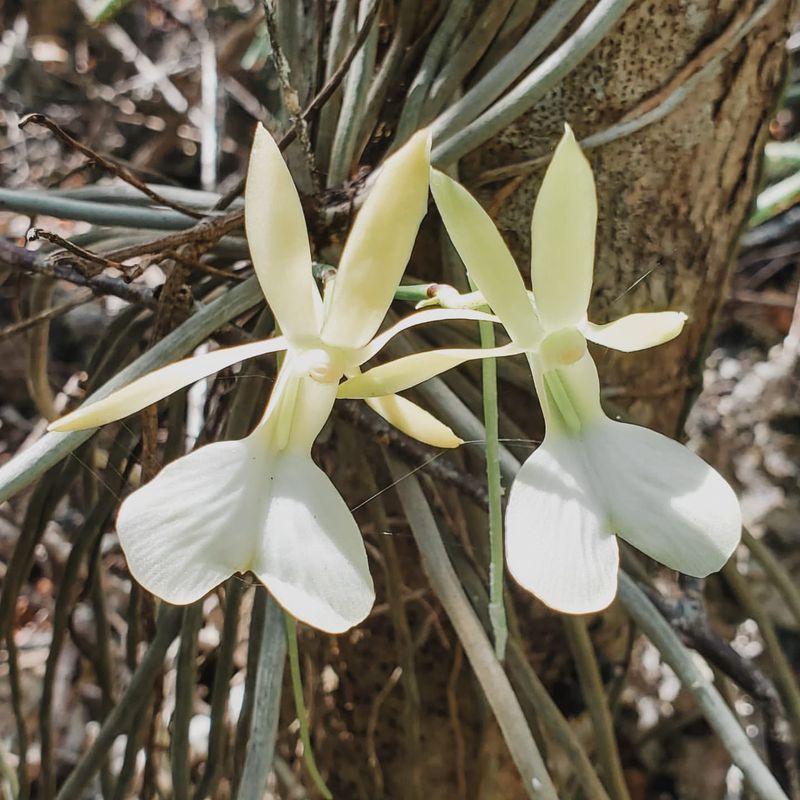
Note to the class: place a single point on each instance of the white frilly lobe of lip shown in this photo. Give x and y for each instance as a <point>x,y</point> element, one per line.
<point>583,486</point>
<point>558,544</point>
<point>230,507</point>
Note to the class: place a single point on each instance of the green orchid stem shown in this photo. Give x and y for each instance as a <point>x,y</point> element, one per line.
<point>410,292</point>
<point>413,292</point>
<point>300,707</point>
<point>497,610</point>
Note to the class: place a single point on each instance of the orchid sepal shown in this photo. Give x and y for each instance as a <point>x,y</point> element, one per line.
<point>635,332</point>
<point>403,373</point>
<point>562,237</point>
<point>160,383</point>
<point>379,246</point>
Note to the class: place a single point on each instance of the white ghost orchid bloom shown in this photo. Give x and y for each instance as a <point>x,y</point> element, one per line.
<point>592,479</point>
<point>260,503</point>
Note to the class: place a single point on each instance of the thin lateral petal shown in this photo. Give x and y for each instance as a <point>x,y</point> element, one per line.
<point>664,499</point>
<point>562,237</point>
<point>379,246</point>
<point>637,331</point>
<point>162,382</point>
<point>403,373</point>
<point>486,257</point>
<point>278,241</point>
<point>197,522</point>
<point>420,318</point>
<point>558,542</point>
<point>414,421</point>
<point>312,557</point>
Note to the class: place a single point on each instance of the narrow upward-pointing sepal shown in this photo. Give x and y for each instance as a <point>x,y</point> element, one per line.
<point>278,240</point>
<point>486,257</point>
<point>379,245</point>
<point>562,237</point>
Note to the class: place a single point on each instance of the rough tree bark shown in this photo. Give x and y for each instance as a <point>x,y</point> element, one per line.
<point>673,198</point>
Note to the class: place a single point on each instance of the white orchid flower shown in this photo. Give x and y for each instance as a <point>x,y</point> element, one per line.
<point>592,477</point>
<point>260,503</point>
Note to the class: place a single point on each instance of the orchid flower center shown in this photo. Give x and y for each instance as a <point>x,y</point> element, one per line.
<point>321,364</point>
<point>562,348</point>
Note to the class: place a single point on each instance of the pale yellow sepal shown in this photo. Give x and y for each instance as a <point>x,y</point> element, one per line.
<point>421,318</point>
<point>278,240</point>
<point>159,384</point>
<point>562,237</point>
<point>403,373</point>
<point>486,257</point>
<point>414,421</point>
<point>637,331</point>
<point>379,246</point>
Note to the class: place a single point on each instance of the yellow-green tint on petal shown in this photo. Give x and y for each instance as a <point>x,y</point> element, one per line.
<point>379,246</point>
<point>403,373</point>
<point>569,395</point>
<point>562,237</point>
<point>413,420</point>
<point>159,384</point>
<point>486,257</point>
<point>278,241</point>
<point>637,331</point>
<point>312,407</point>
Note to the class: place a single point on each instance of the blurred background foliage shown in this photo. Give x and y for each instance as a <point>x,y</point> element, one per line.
<point>104,694</point>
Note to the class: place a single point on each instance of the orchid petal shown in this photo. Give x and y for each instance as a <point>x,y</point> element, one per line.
<point>236,506</point>
<point>558,542</point>
<point>278,241</point>
<point>160,383</point>
<point>403,373</point>
<point>414,421</point>
<point>196,523</point>
<point>379,246</point>
<point>312,557</point>
<point>486,257</point>
<point>637,331</point>
<point>663,499</point>
<point>420,318</point>
<point>562,237</point>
